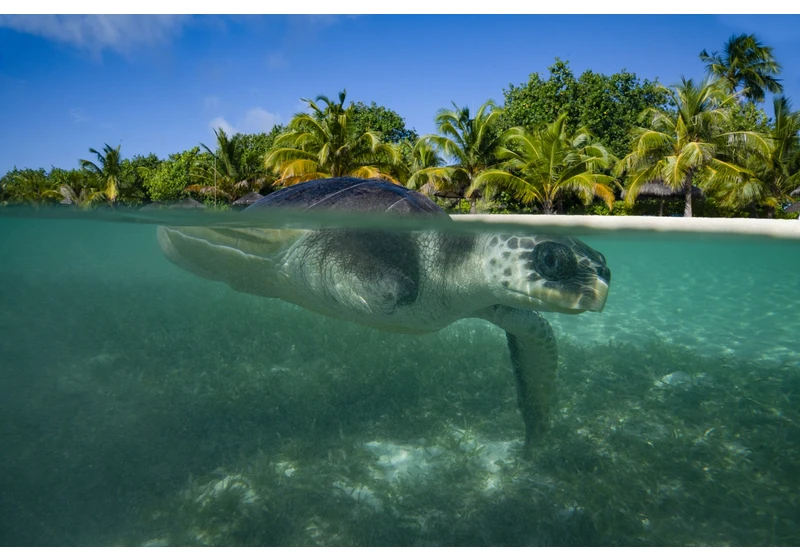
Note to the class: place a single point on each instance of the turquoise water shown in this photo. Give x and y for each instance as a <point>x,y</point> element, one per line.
<point>142,405</point>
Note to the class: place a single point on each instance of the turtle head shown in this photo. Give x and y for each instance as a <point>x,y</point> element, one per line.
<point>547,273</point>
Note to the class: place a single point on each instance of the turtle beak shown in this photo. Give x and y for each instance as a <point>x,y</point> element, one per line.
<point>600,295</point>
<point>596,294</point>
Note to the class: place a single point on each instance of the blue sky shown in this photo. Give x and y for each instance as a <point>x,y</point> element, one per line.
<point>160,83</point>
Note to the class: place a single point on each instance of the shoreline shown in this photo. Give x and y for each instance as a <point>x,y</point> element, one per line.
<point>785,229</point>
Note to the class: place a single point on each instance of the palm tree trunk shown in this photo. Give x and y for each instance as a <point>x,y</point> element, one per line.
<point>473,205</point>
<point>547,206</point>
<point>770,212</point>
<point>687,196</point>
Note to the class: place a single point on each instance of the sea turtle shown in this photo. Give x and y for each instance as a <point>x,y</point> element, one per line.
<point>407,281</point>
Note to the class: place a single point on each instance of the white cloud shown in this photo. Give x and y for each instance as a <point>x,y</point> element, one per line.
<point>255,120</point>
<point>220,122</point>
<point>259,120</point>
<point>96,33</point>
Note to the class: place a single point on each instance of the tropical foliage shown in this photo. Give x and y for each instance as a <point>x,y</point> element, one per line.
<point>132,175</point>
<point>688,144</point>
<point>328,143</point>
<point>108,169</point>
<point>538,167</point>
<point>558,142</point>
<point>608,106</point>
<point>28,186</point>
<point>469,143</point>
<point>376,118</point>
<point>745,62</point>
<point>767,178</point>
<point>79,187</point>
<point>236,167</point>
<point>168,182</point>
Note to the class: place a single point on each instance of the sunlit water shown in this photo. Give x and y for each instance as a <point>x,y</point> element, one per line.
<point>142,405</point>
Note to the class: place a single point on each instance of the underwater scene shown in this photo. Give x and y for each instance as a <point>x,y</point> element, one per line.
<point>143,405</point>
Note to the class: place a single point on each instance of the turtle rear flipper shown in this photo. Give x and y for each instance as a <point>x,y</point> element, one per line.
<point>534,358</point>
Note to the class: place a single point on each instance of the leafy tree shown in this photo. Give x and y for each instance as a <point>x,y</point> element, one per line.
<point>417,157</point>
<point>227,177</point>
<point>767,179</point>
<point>469,142</point>
<point>745,61</point>
<point>236,165</point>
<point>747,116</point>
<point>28,186</point>
<point>688,144</point>
<point>170,179</point>
<point>376,118</point>
<point>538,167</point>
<point>392,129</point>
<point>423,156</point>
<point>608,106</point>
<point>132,175</point>
<point>541,101</point>
<point>326,143</point>
<point>255,146</point>
<point>109,170</point>
<point>81,187</point>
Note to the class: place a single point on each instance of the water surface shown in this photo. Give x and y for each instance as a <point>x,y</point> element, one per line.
<point>142,405</point>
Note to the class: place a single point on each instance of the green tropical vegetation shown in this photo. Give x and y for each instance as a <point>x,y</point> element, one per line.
<point>559,143</point>
<point>107,169</point>
<point>689,145</point>
<point>609,106</point>
<point>237,167</point>
<point>766,179</point>
<point>327,142</point>
<point>470,143</point>
<point>745,62</point>
<point>538,167</point>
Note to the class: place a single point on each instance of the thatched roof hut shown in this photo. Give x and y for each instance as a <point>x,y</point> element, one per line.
<point>187,204</point>
<point>247,199</point>
<point>658,190</point>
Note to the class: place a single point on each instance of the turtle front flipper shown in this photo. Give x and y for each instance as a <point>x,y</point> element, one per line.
<point>534,358</point>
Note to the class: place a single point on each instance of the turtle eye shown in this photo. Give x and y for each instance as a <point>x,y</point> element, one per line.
<point>554,261</point>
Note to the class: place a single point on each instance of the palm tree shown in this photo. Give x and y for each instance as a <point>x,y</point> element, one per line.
<point>28,186</point>
<point>79,187</point>
<point>745,61</point>
<point>687,144</point>
<point>109,170</point>
<point>325,143</point>
<point>767,181</point>
<point>421,155</point>
<point>229,175</point>
<point>469,142</point>
<point>538,167</point>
